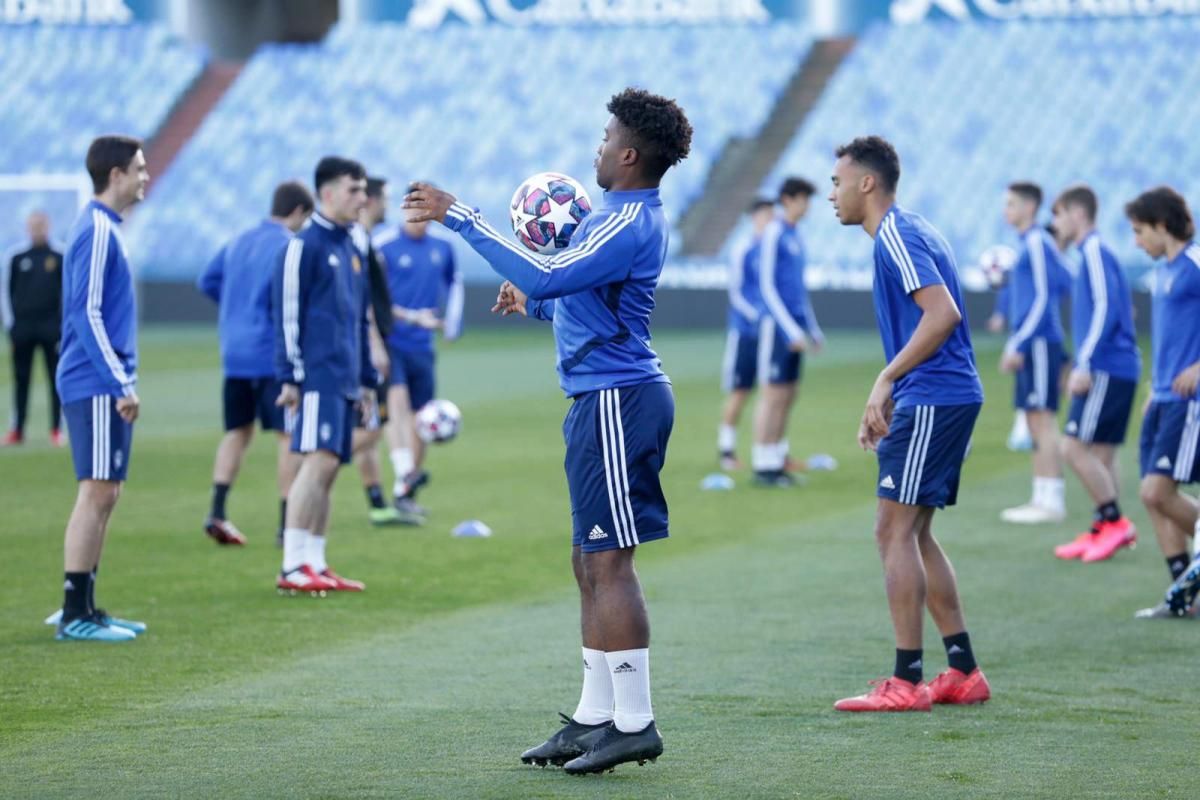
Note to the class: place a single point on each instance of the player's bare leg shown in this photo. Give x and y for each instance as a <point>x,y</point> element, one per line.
<point>1173,516</point>
<point>407,453</point>
<point>731,415</point>
<point>770,418</point>
<point>621,625</point>
<point>1047,503</point>
<point>226,466</point>
<point>307,507</point>
<point>1110,530</point>
<point>366,458</point>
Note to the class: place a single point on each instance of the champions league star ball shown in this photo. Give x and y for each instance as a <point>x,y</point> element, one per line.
<point>546,209</point>
<point>438,421</point>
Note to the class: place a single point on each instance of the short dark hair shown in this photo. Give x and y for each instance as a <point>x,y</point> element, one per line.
<point>797,186</point>
<point>1080,195</point>
<point>1028,190</point>
<point>658,128</point>
<point>1164,206</point>
<point>289,196</point>
<point>107,152</point>
<point>760,203</point>
<point>375,185</point>
<point>876,154</point>
<point>330,168</point>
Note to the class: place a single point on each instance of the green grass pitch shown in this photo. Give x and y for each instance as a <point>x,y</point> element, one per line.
<point>766,607</point>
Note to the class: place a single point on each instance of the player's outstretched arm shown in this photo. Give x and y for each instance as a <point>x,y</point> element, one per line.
<point>597,257</point>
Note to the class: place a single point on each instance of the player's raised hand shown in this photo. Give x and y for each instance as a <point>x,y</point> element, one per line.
<point>1186,382</point>
<point>510,300</point>
<point>128,407</point>
<point>426,203</point>
<point>289,396</point>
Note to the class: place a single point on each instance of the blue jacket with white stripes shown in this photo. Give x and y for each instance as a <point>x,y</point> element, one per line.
<point>745,300</point>
<point>99,327</point>
<point>420,271</point>
<point>1037,283</point>
<point>239,279</point>
<point>1102,314</point>
<point>320,299</point>
<point>781,281</point>
<point>599,292</point>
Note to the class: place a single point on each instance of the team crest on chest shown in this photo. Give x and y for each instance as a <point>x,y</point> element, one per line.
<point>356,264</point>
<point>50,264</point>
<point>26,264</point>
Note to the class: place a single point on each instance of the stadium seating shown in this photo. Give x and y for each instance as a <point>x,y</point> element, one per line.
<point>474,109</point>
<point>972,107</point>
<point>62,86</point>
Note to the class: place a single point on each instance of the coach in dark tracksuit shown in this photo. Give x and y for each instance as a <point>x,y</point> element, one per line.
<point>31,304</point>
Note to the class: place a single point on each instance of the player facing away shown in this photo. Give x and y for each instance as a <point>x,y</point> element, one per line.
<point>323,361</point>
<point>1104,379</point>
<point>599,294</point>
<point>739,368</point>
<point>918,419</point>
<point>369,430</point>
<point>238,279</point>
<point>1034,351</point>
<point>422,275</point>
<point>787,325</point>
<point>97,378</point>
<point>1163,227</point>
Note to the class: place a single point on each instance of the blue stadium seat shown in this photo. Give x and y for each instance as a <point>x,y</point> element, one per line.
<point>60,87</point>
<point>972,107</point>
<point>474,109</point>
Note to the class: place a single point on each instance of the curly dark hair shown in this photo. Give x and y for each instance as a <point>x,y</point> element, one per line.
<point>658,128</point>
<point>876,154</point>
<point>1164,206</point>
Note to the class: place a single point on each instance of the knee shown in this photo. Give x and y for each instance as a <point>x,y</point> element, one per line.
<point>1154,492</point>
<point>606,567</point>
<point>103,495</point>
<point>1071,449</point>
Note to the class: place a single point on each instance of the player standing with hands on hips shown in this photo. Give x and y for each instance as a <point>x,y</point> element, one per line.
<point>599,293</point>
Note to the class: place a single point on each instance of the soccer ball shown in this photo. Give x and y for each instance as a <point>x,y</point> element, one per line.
<point>995,262</point>
<point>438,421</point>
<point>546,209</point>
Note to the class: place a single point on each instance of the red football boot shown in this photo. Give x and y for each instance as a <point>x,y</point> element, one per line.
<point>1112,537</point>
<point>890,694</point>
<point>953,687</point>
<point>57,439</point>
<point>341,584</point>
<point>13,438</point>
<point>304,579</point>
<point>222,531</point>
<point>1079,545</point>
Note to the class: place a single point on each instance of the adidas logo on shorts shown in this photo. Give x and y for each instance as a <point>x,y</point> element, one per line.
<point>597,533</point>
<point>887,482</point>
<point>1072,427</point>
<point>1163,463</point>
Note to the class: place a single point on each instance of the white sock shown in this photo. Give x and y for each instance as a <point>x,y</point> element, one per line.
<point>630,670</point>
<point>1053,493</point>
<point>314,552</point>
<point>402,464</point>
<point>785,449</point>
<point>596,700</point>
<point>295,542</point>
<point>726,438</point>
<point>760,457</point>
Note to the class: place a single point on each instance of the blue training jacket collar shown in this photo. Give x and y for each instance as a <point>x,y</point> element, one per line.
<point>325,222</point>
<point>103,207</point>
<point>648,196</point>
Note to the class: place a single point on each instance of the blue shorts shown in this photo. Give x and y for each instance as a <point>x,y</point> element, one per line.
<point>739,370</point>
<point>414,370</point>
<point>1170,439</point>
<point>248,399</point>
<point>616,446</point>
<point>1102,415</point>
<point>921,458</point>
<point>325,422</point>
<point>1038,378</point>
<point>100,440</point>
<point>776,363</point>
